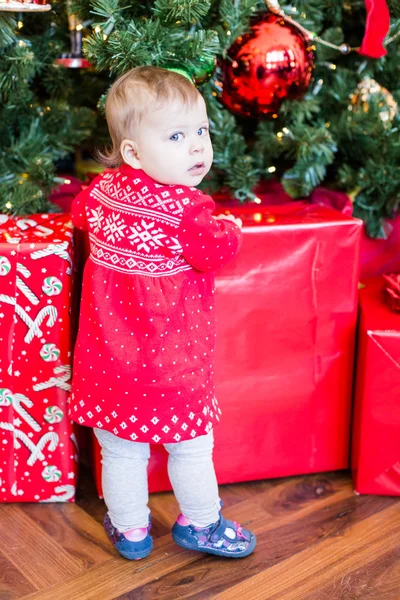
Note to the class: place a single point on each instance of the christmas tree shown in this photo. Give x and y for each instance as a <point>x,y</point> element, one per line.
<point>45,110</point>
<point>305,93</point>
<point>338,128</point>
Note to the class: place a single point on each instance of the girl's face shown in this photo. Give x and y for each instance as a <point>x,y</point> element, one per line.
<point>172,144</point>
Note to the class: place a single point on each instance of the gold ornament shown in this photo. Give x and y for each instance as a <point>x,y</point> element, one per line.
<point>361,98</point>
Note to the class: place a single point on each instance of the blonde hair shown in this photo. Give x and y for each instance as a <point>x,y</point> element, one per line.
<point>135,94</point>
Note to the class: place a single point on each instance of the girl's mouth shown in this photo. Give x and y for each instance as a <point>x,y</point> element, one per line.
<point>197,169</point>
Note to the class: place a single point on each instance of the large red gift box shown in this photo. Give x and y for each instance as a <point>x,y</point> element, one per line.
<point>286,320</point>
<point>38,450</point>
<point>376,424</point>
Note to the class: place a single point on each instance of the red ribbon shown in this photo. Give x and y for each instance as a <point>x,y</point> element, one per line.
<point>391,290</point>
<point>376,29</point>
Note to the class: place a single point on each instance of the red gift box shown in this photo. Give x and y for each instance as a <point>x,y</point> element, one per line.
<point>376,423</point>
<point>286,319</point>
<point>38,449</point>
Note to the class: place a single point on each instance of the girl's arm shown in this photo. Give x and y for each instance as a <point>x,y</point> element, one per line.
<point>207,243</point>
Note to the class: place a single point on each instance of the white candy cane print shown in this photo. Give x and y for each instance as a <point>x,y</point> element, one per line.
<point>51,438</point>
<point>60,382</point>
<point>24,270</point>
<point>63,493</point>
<point>46,311</point>
<point>24,224</point>
<point>59,250</point>
<point>33,325</point>
<point>21,285</point>
<point>19,435</point>
<point>17,400</point>
<point>39,230</point>
<point>34,449</point>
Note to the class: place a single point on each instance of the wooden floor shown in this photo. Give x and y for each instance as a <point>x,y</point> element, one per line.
<point>316,541</point>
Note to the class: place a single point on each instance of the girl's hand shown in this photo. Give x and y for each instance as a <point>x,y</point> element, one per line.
<point>236,220</point>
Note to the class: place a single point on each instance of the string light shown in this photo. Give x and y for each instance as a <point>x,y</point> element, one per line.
<point>20,24</point>
<point>271,169</point>
<point>257,200</point>
<point>9,205</point>
<point>79,27</point>
<point>97,29</point>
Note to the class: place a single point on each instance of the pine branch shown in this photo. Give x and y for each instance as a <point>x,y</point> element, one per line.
<point>242,177</point>
<point>17,65</point>
<point>185,12</point>
<point>111,14</point>
<point>8,26</point>
<point>235,18</point>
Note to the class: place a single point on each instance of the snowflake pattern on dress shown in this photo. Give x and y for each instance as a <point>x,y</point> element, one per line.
<point>129,222</point>
<point>96,219</point>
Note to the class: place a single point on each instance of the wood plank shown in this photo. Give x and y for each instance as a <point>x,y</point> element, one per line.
<point>290,499</point>
<point>32,551</point>
<point>74,530</point>
<point>117,575</point>
<point>307,571</point>
<point>13,584</point>
<point>379,579</point>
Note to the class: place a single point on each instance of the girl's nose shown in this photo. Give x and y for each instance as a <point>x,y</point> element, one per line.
<point>196,146</point>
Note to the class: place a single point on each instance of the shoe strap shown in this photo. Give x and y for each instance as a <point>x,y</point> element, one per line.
<point>220,531</point>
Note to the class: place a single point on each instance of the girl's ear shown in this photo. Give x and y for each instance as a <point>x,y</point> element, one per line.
<point>130,153</point>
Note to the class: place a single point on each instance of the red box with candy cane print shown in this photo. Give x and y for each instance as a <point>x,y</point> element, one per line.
<point>38,448</point>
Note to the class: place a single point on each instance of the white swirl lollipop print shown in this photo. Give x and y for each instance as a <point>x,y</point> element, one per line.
<point>49,352</point>
<point>6,397</point>
<point>52,286</point>
<point>53,414</point>
<point>51,473</point>
<point>5,266</point>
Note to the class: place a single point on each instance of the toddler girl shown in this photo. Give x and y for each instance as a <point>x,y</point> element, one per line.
<point>143,363</point>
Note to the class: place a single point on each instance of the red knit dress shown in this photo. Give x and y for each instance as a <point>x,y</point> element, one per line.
<point>143,361</point>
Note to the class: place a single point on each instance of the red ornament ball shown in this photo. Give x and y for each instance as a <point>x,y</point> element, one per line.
<point>271,63</point>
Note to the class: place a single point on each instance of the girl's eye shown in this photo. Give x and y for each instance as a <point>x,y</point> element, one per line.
<point>202,130</point>
<point>176,137</point>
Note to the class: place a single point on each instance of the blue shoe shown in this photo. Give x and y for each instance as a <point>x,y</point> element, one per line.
<point>128,549</point>
<point>223,538</point>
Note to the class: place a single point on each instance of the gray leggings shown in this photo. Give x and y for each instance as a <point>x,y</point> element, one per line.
<point>124,479</point>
